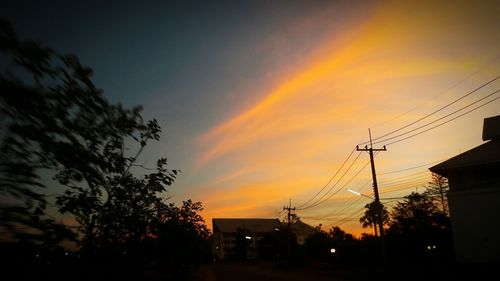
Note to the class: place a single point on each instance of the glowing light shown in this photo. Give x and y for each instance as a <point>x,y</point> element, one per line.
<point>355,192</point>
<point>359,194</point>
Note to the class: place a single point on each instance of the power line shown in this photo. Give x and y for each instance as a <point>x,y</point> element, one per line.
<point>346,219</point>
<point>337,221</point>
<point>413,181</point>
<point>323,219</point>
<point>352,203</point>
<point>392,188</point>
<point>420,176</point>
<point>342,166</point>
<point>332,187</point>
<point>423,179</point>
<point>441,118</point>
<point>410,168</point>
<point>407,175</point>
<point>280,213</point>
<point>331,195</point>
<point>403,187</point>
<point>403,184</point>
<point>434,112</point>
<point>348,204</point>
<point>340,211</point>
<point>454,118</point>
<point>439,94</point>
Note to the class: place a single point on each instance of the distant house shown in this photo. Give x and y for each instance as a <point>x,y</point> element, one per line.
<point>474,197</point>
<point>302,230</point>
<point>225,232</point>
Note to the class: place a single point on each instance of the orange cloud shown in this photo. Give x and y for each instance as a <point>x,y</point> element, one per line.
<point>284,146</point>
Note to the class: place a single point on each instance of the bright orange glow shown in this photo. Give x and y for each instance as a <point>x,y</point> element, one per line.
<point>291,141</point>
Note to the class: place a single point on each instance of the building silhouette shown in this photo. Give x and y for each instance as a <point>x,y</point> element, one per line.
<point>227,230</point>
<point>474,197</point>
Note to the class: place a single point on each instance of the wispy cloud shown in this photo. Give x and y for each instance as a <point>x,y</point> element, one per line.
<point>386,65</point>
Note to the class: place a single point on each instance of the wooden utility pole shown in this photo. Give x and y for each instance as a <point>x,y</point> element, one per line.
<point>289,230</point>
<point>289,215</point>
<point>379,206</point>
<point>375,185</point>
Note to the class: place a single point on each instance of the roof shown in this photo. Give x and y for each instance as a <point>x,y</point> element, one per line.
<point>253,225</point>
<point>303,228</point>
<point>485,154</point>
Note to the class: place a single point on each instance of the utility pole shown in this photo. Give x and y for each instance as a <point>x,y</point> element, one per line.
<point>375,189</point>
<point>374,176</point>
<point>289,232</point>
<point>289,209</point>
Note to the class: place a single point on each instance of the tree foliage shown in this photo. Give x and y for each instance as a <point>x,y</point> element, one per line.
<point>347,248</point>
<point>416,212</point>
<point>372,213</point>
<point>417,224</point>
<point>59,131</point>
<point>337,234</point>
<point>57,120</point>
<point>438,190</point>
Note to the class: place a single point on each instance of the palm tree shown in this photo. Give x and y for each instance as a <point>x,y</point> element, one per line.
<point>371,216</point>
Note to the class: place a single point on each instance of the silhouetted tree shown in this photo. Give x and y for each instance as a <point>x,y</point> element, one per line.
<point>59,130</point>
<point>346,247</point>
<point>337,234</point>
<point>416,212</point>
<point>438,190</point>
<point>43,129</point>
<point>55,119</point>
<point>370,218</point>
<point>318,245</point>
<point>180,235</point>
<point>417,224</point>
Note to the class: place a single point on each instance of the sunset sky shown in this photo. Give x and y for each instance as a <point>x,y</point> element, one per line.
<point>262,101</point>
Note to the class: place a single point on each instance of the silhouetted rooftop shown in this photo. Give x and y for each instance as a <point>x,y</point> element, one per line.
<point>301,227</point>
<point>253,225</point>
<point>485,154</point>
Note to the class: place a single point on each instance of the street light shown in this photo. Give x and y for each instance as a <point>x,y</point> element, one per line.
<point>369,197</point>
<point>359,194</point>
<point>379,209</point>
<point>379,214</point>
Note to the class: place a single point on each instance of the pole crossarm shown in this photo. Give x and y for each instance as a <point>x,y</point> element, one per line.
<point>372,149</point>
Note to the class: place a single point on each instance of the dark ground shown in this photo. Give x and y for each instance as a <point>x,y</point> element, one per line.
<point>73,269</point>
<point>261,271</point>
<point>252,272</point>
